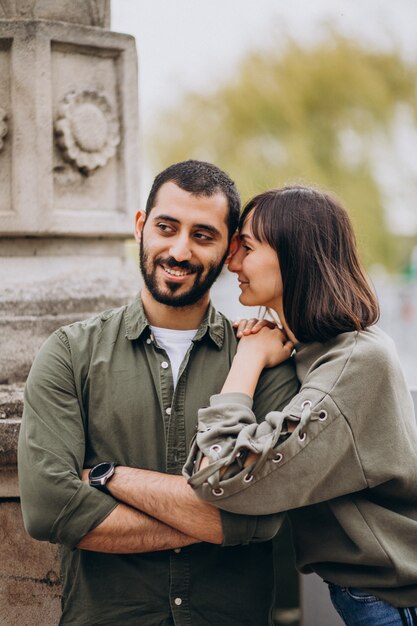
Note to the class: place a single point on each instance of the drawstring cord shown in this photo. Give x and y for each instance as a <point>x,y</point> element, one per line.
<point>212,472</point>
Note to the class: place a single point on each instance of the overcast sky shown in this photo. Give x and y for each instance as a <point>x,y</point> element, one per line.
<point>193,44</point>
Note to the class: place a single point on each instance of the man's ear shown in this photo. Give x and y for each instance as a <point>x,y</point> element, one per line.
<point>139,224</point>
<point>233,247</point>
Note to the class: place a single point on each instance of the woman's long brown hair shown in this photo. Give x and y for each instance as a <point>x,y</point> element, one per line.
<point>325,289</point>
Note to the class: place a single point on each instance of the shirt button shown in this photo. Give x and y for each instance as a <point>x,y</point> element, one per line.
<point>164,364</point>
<point>149,340</point>
<point>177,550</point>
<point>168,410</point>
<point>178,601</point>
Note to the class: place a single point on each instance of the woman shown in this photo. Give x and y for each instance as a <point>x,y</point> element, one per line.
<point>341,458</point>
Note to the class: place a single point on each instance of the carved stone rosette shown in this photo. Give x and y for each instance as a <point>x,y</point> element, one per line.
<point>3,126</point>
<point>87,130</point>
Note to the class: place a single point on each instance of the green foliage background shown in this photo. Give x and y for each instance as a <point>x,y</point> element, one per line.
<point>283,118</point>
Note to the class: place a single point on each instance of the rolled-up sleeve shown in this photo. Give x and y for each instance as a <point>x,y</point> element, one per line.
<point>57,506</point>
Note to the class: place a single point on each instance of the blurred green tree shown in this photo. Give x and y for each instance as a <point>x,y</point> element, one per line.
<point>300,114</point>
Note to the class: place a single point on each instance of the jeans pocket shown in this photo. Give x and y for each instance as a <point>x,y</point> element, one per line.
<point>360,595</point>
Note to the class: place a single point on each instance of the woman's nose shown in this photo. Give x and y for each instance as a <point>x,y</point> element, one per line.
<point>235,263</point>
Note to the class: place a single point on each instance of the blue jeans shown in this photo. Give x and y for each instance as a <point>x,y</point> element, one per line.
<point>358,608</point>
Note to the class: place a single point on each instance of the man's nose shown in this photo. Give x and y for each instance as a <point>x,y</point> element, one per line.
<point>180,249</point>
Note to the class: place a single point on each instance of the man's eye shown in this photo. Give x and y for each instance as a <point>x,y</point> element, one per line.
<point>165,228</point>
<point>203,237</point>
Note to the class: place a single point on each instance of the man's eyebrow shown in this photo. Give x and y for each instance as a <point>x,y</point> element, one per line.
<point>166,218</point>
<point>169,218</point>
<point>211,229</point>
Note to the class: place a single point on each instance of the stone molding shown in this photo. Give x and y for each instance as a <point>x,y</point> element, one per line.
<point>86,184</point>
<point>87,12</point>
<point>3,127</point>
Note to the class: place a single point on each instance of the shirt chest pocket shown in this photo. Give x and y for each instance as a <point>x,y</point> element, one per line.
<point>124,421</point>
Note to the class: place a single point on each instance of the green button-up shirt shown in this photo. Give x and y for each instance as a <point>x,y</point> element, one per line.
<point>102,389</point>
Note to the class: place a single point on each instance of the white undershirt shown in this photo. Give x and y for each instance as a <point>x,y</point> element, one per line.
<point>175,343</point>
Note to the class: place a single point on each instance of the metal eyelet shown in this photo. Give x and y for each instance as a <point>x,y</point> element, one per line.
<point>278,458</point>
<point>322,416</point>
<point>306,403</point>
<point>302,437</point>
<point>218,491</point>
<point>248,478</point>
<point>215,448</point>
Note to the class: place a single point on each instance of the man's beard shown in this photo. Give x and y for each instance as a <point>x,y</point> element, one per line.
<point>167,296</point>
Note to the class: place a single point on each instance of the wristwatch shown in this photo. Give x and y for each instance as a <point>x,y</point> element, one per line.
<point>100,474</point>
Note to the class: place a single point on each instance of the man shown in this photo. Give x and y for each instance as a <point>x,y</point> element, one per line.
<point>125,387</point>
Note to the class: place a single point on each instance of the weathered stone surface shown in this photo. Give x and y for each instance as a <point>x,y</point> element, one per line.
<point>68,163</point>
<point>68,191</point>
<point>38,295</point>
<point>11,407</point>
<point>11,402</point>
<point>9,433</point>
<point>88,12</point>
<point>29,574</point>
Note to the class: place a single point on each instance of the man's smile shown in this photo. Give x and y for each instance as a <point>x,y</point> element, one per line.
<point>178,273</point>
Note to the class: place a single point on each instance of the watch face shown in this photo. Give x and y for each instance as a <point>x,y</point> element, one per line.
<point>100,470</point>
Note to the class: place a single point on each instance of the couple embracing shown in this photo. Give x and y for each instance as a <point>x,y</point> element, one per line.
<point>311,418</point>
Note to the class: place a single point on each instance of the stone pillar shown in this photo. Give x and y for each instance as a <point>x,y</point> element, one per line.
<point>68,193</point>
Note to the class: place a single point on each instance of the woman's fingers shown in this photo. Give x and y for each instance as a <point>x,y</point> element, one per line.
<point>240,326</point>
<point>251,326</point>
<point>262,324</point>
<point>244,326</point>
<point>288,345</point>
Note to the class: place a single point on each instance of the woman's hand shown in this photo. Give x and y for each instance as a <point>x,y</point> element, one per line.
<point>262,344</point>
<point>252,325</point>
<point>268,345</point>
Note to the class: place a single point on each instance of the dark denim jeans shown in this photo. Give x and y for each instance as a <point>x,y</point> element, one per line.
<point>358,608</point>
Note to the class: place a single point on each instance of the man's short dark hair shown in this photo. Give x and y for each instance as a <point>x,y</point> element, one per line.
<point>200,179</point>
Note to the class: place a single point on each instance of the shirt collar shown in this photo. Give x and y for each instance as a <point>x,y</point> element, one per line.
<point>212,323</point>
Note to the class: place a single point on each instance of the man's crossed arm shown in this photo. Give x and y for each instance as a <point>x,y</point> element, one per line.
<point>157,512</point>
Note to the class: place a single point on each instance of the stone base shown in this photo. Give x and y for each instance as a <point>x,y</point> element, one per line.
<point>40,294</point>
<point>30,588</point>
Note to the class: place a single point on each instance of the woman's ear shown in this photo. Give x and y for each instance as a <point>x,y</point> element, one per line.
<point>140,219</point>
<point>233,247</point>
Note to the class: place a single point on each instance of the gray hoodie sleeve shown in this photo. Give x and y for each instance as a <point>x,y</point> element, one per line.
<point>289,472</point>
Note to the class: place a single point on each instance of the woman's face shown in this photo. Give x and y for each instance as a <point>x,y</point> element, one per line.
<point>257,267</point>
